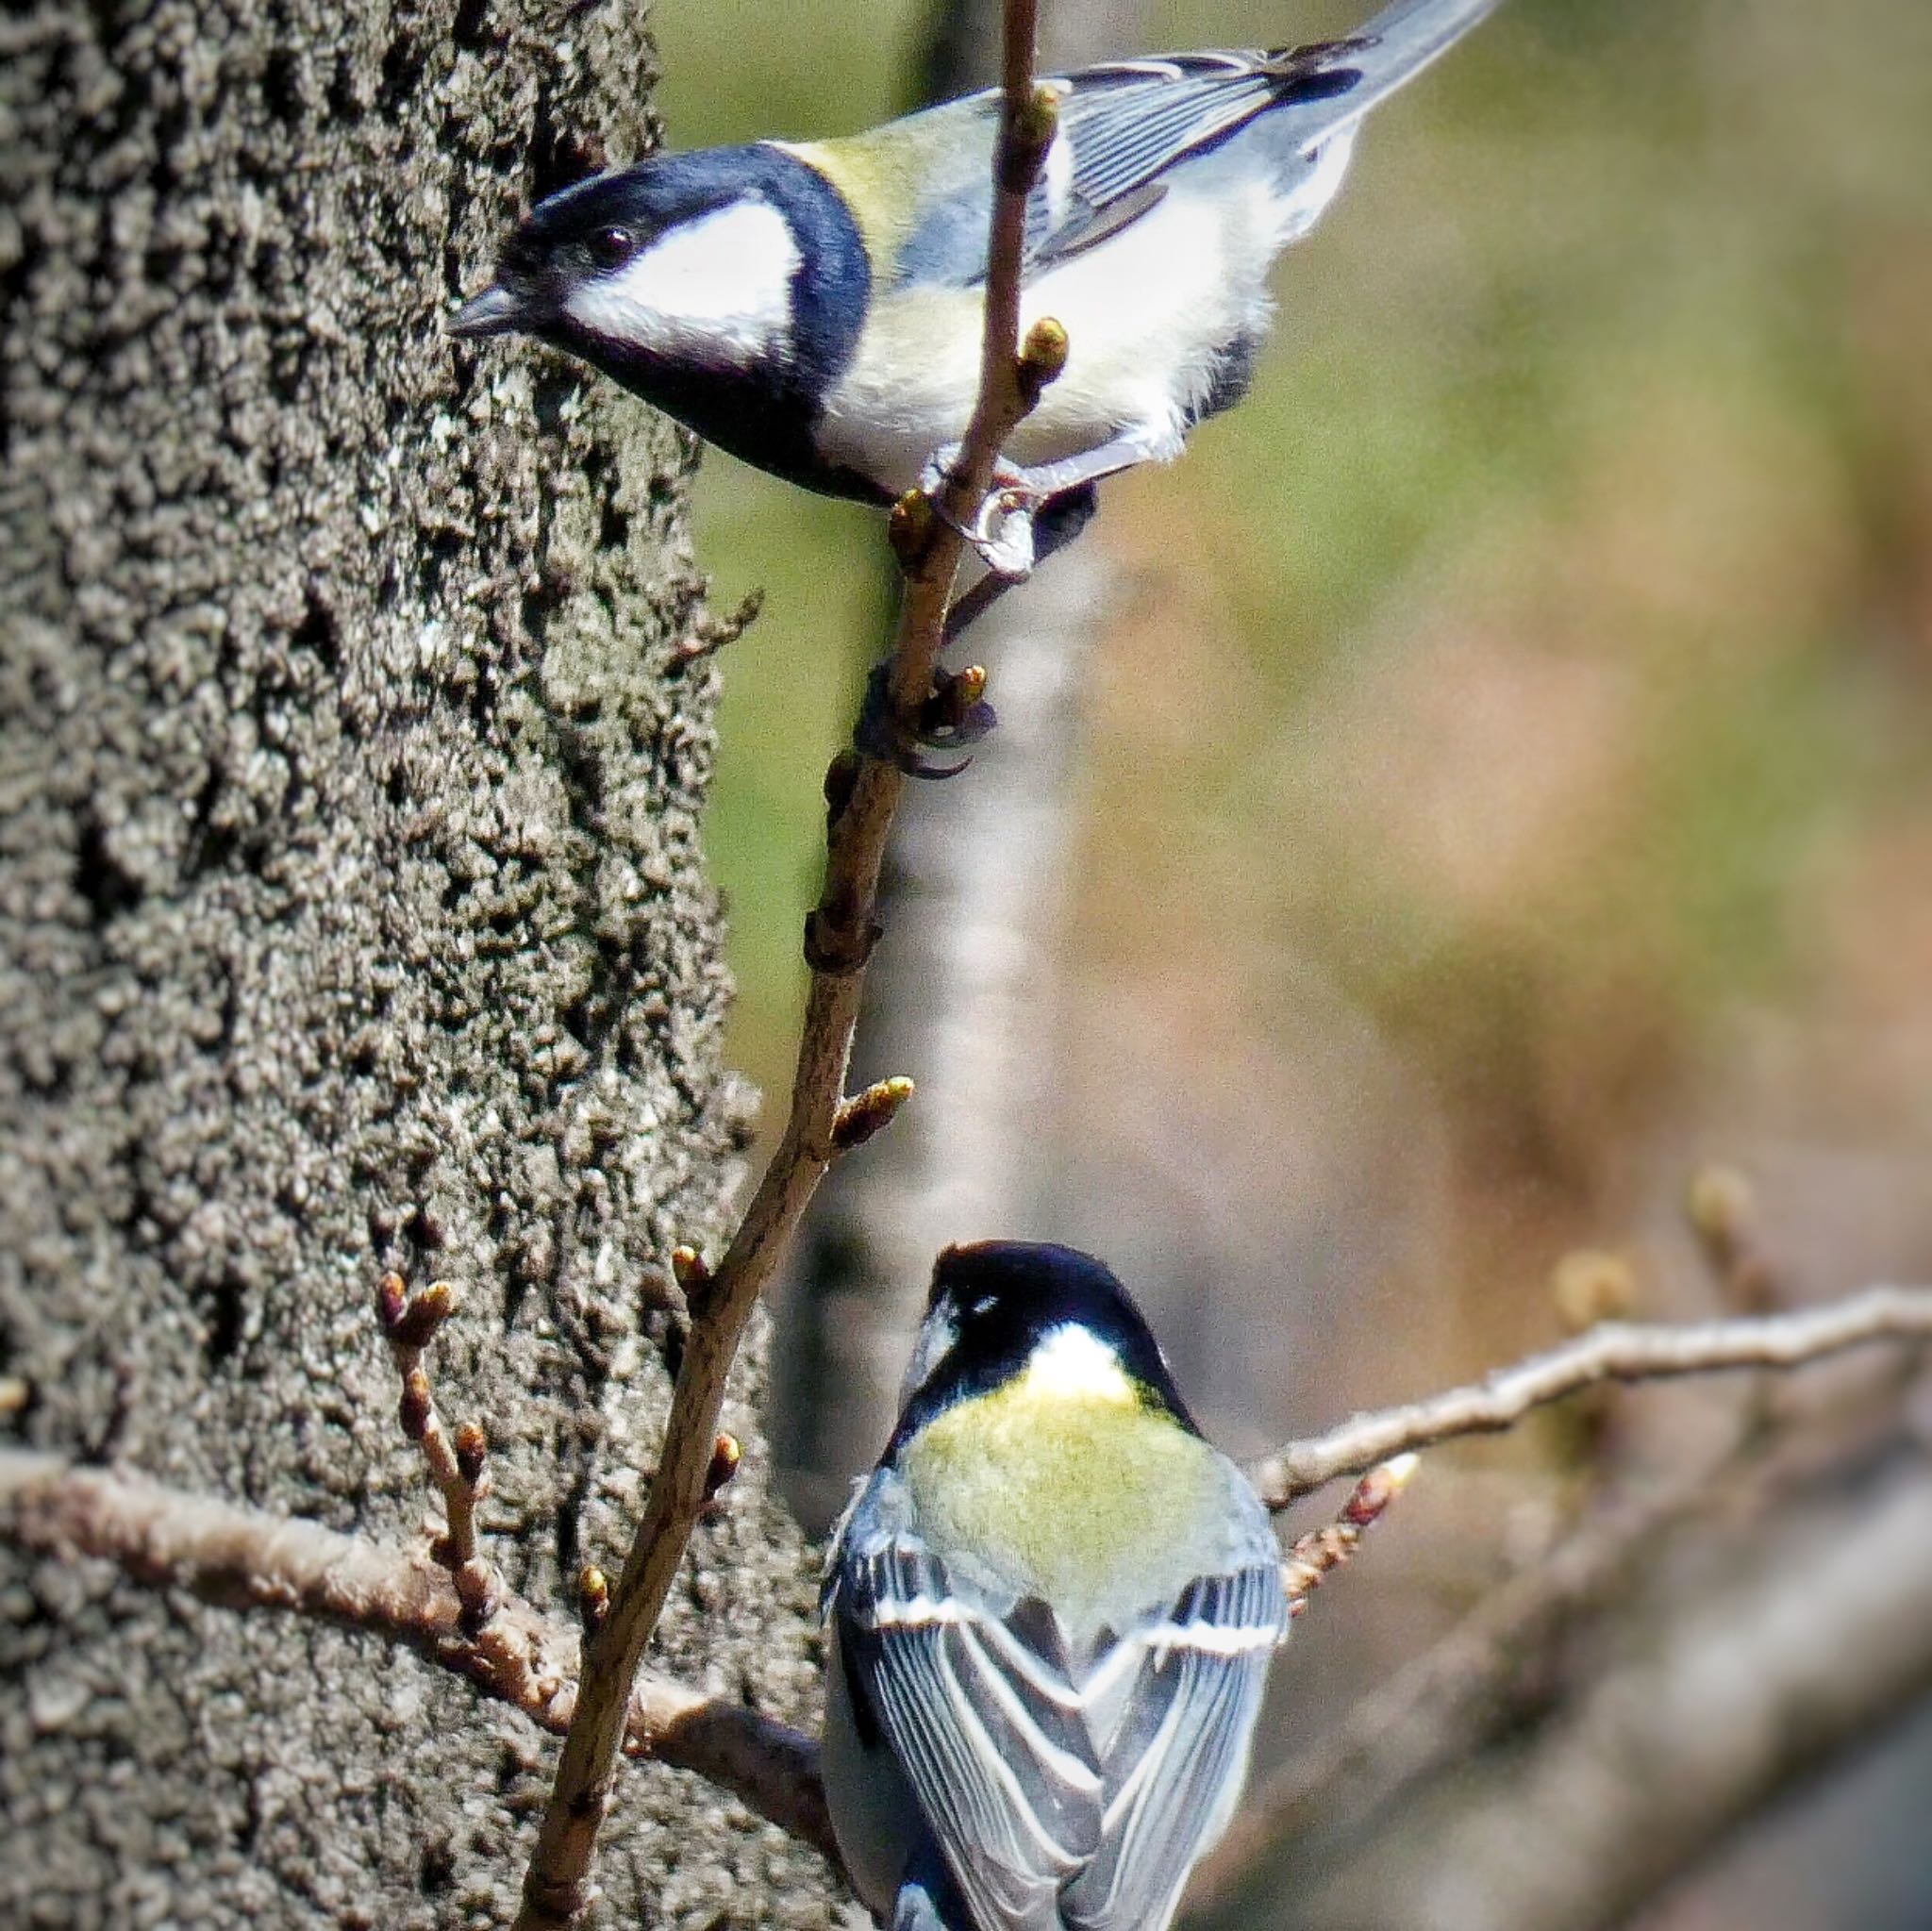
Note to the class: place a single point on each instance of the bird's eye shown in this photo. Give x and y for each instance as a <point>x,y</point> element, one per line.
<point>612,247</point>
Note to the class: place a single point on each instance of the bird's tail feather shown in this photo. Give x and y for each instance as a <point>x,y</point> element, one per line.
<point>1387,52</point>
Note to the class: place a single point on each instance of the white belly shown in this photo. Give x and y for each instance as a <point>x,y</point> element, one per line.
<point>1147,315</point>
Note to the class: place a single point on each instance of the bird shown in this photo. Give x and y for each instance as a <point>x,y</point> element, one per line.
<point>1051,1611</point>
<point>816,308</point>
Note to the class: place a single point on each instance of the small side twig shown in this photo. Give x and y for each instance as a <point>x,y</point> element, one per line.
<point>1721,1207</point>
<point>1441,1704</point>
<point>712,633</point>
<point>1616,1351</point>
<point>862,794</point>
<point>868,1113</point>
<point>1320,1552</point>
<point>457,1464</point>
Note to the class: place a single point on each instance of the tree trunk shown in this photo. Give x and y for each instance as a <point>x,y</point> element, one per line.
<point>352,918</point>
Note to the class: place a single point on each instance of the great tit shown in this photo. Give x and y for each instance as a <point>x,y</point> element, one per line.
<point>815,308</point>
<point>1052,1607</point>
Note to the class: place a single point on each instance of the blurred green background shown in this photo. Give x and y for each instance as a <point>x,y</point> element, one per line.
<point>1542,649</point>
<point>1508,779</point>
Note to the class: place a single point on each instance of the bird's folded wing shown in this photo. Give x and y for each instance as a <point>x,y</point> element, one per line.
<point>1174,1707</point>
<point>1121,127</point>
<point>1124,127</point>
<point>1062,1796</point>
<point>986,1725</point>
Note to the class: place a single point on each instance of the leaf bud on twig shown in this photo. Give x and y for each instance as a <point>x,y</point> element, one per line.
<point>909,528</point>
<point>1043,357</point>
<point>1028,140</point>
<point>391,1301</point>
<point>1591,1286</point>
<point>869,1112</point>
<point>726,1454</point>
<point>413,1411</point>
<point>593,1595</point>
<point>426,1313</point>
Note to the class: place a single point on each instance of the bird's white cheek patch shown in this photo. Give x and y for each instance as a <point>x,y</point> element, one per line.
<point>715,291</point>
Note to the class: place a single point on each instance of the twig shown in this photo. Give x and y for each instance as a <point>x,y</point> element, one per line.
<point>242,1558</point>
<point>1422,1712</point>
<point>1721,1206</point>
<point>712,632</point>
<point>862,792</point>
<point>1320,1552</point>
<point>1445,1703</point>
<point>458,1466</point>
<point>1618,1350</point>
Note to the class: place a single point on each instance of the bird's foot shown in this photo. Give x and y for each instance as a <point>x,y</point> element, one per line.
<point>953,717</point>
<point>1001,533</point>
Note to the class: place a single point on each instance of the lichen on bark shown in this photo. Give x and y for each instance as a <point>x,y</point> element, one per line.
<point>351,915</point>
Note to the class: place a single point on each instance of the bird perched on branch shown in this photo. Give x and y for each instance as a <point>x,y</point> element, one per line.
<point>816,308</point>
<point>1053,1607</point>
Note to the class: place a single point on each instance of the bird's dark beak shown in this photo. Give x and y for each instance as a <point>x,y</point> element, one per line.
<point>496,311</point>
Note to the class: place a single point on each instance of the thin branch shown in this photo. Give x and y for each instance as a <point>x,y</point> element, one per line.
<point>235,1558</point>
<point>862,794</point>
<point>1445,1704</point>
<point>457,1465</point>
<point>242,1559</point>
<point>1320,1552</point>
<point>1424,1712</point>
<point>1617,1351</point>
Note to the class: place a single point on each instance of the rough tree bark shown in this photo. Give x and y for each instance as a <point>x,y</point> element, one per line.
<point>350,916</point>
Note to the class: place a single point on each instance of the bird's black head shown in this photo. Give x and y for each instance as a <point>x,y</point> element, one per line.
<point>727,287</point>
<point>995,1303</point>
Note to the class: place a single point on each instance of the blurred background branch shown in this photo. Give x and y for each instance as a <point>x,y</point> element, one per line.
<point>1714,1701</point>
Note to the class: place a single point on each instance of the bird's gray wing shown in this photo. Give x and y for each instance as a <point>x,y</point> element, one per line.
<point>1129,125</point>
<point>1124,126</point>
<point>1121,127</point>
<point>1172,1709</point>
<point>983,1721</point>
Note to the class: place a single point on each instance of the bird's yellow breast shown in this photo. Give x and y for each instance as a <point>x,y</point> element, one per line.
<point>1066,1491</point>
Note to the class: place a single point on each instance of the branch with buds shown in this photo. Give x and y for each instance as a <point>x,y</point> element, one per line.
<point>1317,1555</point>
<point>457,1465</point>
<point>1302,1833</point>
<point>1617,1351</point>
<point>245,1560</point>
<point>862,794</point>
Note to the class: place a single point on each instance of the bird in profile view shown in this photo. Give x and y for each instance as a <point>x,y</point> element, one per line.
<point>1053,1606</point>
<point>816,308</point>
